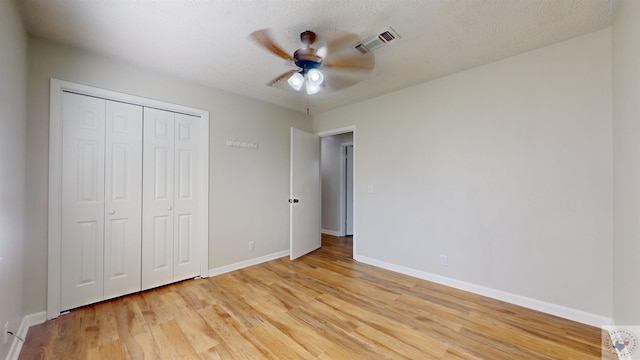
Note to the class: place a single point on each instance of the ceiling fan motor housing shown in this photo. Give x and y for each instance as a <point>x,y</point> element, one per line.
<point>307,59</point>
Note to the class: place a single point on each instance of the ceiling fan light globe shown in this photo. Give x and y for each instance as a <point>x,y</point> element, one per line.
<point>295,81</point>
<point>315,77</point>
<point>312,89</point>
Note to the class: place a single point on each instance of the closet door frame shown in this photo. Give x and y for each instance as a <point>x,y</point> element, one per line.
<point>57,88</point>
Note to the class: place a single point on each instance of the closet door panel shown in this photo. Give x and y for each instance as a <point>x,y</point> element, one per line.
<point>123,199</point>
<point>158,192</point>
<point>187,197</point>
<point>82,234</point>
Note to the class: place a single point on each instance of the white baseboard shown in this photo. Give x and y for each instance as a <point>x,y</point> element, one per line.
<point>330,232</point>
<point>246,263</point>
<point>549,308</point>
<point>27,322</point>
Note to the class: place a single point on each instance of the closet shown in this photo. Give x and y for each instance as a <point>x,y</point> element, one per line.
<point>131,198</point>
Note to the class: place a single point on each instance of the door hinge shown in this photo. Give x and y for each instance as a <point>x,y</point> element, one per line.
<point>294,201</point>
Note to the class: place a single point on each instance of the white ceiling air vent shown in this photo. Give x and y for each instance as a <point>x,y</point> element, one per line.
<point>377,41</point>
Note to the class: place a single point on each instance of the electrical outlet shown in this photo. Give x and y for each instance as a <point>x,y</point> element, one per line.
<point>444,261</point>
<point>252,245</point>
<point>6,332</point>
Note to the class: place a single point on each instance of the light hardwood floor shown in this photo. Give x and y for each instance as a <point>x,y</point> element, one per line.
<point>322,306</point>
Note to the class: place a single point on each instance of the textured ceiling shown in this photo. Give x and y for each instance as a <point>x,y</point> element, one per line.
<point>207,41</point>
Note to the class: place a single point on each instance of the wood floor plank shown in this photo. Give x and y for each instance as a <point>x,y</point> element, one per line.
<point>390,325</point>
<point>323,305</point>
<point>302,332</point>
<point>196,330</point>
<point>275,343</point>
<point>229,334</point>
<point>341,344</point>
<point>143,346</point>
<point>395,348</point>
<point>177,340</point>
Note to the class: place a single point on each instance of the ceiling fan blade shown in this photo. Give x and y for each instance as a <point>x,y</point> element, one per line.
<point>359,62</point>
<point>340,43</point>
<point>322,51</point>
<point>335,81</point>
<point>282,77</point>
<point>263,37</point>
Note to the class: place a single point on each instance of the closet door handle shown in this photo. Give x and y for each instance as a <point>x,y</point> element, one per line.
<point>170,208</point>
<point>112,212</point>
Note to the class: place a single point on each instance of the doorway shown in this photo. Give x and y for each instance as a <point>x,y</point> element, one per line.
<point>337,179</point>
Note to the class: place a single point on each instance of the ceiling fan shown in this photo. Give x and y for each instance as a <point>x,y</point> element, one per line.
<point>334,65</point>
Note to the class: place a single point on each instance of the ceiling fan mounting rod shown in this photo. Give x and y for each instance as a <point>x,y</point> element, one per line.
<point>307,37</point>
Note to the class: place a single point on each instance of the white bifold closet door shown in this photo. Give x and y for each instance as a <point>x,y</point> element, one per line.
<point>171,183</point>
<point>101,200</point>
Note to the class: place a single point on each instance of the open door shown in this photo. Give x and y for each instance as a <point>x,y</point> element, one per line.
<point>305,201</point>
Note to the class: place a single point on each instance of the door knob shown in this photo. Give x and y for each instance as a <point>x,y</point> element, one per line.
<point>112,212</point>
<point>170,208</point>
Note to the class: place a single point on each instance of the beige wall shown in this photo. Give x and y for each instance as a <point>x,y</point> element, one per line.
<point>248,188</point>
<point>505,168</point>
<point>626,125</point>
<point>13,76</point>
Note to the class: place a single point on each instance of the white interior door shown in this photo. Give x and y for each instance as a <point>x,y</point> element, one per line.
<point>172,184</point>
<point>349,190</point>
<point>157,197</point>
<point>188,180</point>
<point>82,231</point>
<point>305,197</point>
<point>123,199</point>
<point>101,200</point>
